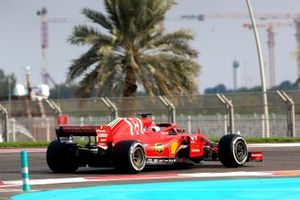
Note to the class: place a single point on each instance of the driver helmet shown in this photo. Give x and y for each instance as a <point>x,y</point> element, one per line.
<point>155,128</point>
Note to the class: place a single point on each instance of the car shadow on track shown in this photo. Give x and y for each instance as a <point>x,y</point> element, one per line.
<point>175,168</point>
<point>148,169</point>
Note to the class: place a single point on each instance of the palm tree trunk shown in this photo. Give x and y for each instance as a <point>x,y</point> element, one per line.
<point>129,93</point>
<point>130,86</point>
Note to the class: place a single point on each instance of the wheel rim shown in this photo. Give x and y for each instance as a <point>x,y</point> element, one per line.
<point>138,158</point>
<point>240,150</point>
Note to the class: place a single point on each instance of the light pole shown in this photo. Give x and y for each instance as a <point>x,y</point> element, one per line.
<point>9,93</point>
<point>236,65</point>
<point>266,133</point>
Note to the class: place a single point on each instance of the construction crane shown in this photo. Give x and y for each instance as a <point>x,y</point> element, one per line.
<point>259,16</point>
<point>44,21</point>
<point>44,43</point>
<point>271,45</point>
<point>294,17</point>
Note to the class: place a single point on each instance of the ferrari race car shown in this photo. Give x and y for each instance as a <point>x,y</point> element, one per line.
<point>130,144</point>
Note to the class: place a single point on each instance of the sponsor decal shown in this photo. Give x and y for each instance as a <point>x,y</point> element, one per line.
<point>135,126</point>
<point>161,160</point>
<point>173,147</point>
<point>103,135</point>
<point>159,148</point>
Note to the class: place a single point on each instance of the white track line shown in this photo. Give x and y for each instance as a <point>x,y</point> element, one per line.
<point>18,150</point>
<point>5,184</point>
<point>274,145</point>
<point>6,190</point>
<point>226,174</point>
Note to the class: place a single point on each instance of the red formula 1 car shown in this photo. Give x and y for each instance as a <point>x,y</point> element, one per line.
<point>129,144</point>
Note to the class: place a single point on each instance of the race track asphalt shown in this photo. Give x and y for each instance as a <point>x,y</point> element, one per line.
<point>275,159</point>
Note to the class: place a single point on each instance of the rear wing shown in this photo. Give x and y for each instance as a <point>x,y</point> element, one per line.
<point>66,134</point>
<point>65,131</point>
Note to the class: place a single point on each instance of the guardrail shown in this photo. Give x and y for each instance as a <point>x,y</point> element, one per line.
<point>215,115</point>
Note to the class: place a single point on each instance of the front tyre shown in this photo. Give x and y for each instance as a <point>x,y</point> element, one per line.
<point>233,151</point>
<point>129,156</point>
<point>61,158</point>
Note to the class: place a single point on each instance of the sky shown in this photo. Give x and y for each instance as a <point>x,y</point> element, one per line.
<point>219,41</point>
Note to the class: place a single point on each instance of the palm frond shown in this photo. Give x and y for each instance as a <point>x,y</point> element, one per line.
<point>110,9</point>
<point>182,35</point>
<point>98,18</point>
<point>109,74</point>
<point>83,35</point>
<point>83,63</point>
<point>179,73</point>
<point>87,84</point>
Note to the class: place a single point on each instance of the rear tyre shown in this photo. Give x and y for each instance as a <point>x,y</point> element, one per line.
<point>232,150</point>
<point>61,158</point>
<point>129,156</point>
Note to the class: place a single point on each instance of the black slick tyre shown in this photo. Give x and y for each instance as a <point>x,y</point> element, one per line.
<point>61,158</point>
<point>129,156</point>
<point>232,150</point>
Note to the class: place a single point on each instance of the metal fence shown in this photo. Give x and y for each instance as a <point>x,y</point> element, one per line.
<point>213,115</point>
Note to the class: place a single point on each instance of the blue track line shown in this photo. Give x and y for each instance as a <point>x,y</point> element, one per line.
<point>241,189</point>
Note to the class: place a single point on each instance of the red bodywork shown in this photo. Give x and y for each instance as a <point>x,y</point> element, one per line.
<point>164,143</point>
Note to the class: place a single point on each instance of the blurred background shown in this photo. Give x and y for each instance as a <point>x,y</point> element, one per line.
<point>35,56</point>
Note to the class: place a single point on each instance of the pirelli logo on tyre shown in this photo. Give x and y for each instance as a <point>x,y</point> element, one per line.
<point>159,148</point>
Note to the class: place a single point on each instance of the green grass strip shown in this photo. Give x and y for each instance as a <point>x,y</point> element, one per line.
<point>23,144</point>
<point>267,140</point>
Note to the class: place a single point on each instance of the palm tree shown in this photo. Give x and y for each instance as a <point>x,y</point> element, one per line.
<point>127,50</point>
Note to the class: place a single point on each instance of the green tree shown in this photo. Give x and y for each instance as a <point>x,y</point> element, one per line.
<point>7,84</point>
<point>127,49</point>
<point>63,91</point>
<point>297,55</point>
